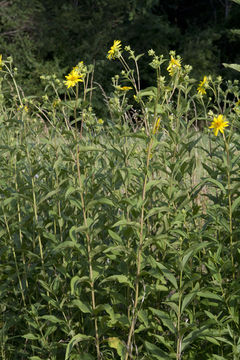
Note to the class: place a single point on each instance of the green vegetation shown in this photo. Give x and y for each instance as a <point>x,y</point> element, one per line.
<point>119,235</point>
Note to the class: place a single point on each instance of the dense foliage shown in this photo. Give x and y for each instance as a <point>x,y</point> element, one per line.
<point>119,236</point>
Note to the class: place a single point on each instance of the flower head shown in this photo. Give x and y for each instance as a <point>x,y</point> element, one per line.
<point>125,88</point>
<point>72,78</point>
<point>115,50</point>
<point>202,86</point>
<point>174,65</point>
<point>218,124</point>
<point>100,121</point>
<point>0,61</point>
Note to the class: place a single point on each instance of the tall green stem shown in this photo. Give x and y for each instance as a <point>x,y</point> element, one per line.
<point>139,257</point>
<point>179,338</point>
<point>15,259</point>
<point>141,237</point>
<point>89,256</point>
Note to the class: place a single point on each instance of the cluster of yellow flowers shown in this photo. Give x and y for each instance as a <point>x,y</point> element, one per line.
<point>202,86</point>
<point>219,123</point>
<point>0,61</point>
<point>24,108</point>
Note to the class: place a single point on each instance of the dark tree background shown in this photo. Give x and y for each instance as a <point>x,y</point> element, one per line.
<point>50,36</point>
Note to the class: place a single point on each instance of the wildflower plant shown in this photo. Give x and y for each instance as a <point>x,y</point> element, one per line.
<point>120,241</point>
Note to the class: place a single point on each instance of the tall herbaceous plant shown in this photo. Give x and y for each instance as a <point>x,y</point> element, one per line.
<point>119,236</point>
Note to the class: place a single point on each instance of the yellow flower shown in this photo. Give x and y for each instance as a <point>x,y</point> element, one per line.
<point>24,108</point>
<point>115,50</point>
<point>156,126</point>
<point>202,86</point>
<point>125,88</point>
<point>72,78</point>
<point>100,121</point>
<point>174,65</point>
<point>218,124</point>
<point>0,61</point>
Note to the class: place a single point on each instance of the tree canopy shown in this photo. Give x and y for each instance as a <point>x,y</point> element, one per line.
<point>46,36</point>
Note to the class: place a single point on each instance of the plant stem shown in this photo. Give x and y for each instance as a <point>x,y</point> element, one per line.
<point>179,339</point>
<point>139,254</point>
<point>89,256</point>
<point>15,258</point>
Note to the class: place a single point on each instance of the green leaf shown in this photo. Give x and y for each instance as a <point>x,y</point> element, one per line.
<point>70,191</point>
<point>235,204</point>
<point>85,356</point>
<point>193,335</point>
<point>115,236</point>
<point>149,91</point>
<point>102,201</point>
<point>195,248</point>
<point>50,194</point>
<point>125,222</point>
<point>232,66</point>
<point>45,286</point>
<point>156,352</point>
<point>67,245</point>
<point>84,307</point>
<point>215,182</point>
<point>209,295</point>
<point>116,343</point>
<point>157,210</point>
<point>165,318</point>
<point>122,279</point>
<point>168,274</point>
<point>152,183</point>
<point>52,319</point>
<point>82,148</point>
<point>75,281</point>
<point>30,337</point>
<point>75,340</point>
<point>187,299</point>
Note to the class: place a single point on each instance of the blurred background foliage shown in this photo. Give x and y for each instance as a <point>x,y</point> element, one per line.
<point>48,36</point>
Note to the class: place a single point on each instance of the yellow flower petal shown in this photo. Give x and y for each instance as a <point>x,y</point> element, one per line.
<point>114,50</point>
<point>72,78</point>
<point>218,124</point>
<point>174,64</point>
